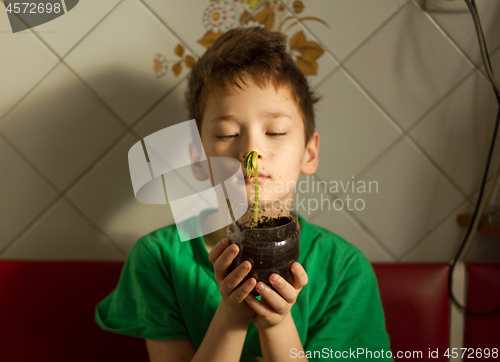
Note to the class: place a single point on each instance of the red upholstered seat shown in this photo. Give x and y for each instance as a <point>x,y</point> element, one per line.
<point>483,295</point>
<point>47,310</point>
<point>417,306</point>
<point>47,313</point>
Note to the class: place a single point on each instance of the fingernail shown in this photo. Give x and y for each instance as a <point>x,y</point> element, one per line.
<point>261,287</point>
<point>274,279</point>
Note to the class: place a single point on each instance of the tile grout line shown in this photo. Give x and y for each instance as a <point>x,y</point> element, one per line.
<point>372,99</point>
<point>110,240</point>
<point>36,35</point>
<point>446,35</point>
<point>360,224</point>
<point>436,166</point>
<point>49,48</point>
<point>302,25</point>
<point>29,91</point>
<point>138,121</point>
<point>340,65</point>
<point>61,194</point>
<point>356,220</point>
<point>326,77</point>
<point>411,127</point>
<point>86,171</point>
<point>28,227</point>
<point>128,129</point>
<point>359,46</point>
<point>105,153</point>
<point>156,104</point>
<point>175,35</point>
<point>372,34</point>
<point>50,207</point>
<point>368,231</point>
<point>35,168</point>
<point>96,95</point>
<point>172,33</point>
<point>78,42</point>
<point>440,101</point>
<point>438,225</point>
<point>380,156</point>
<point>372,235</point>
<point>31,164</point>
<point>404,133</point>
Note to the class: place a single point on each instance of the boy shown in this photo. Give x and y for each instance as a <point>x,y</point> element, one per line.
<point>246,94</point>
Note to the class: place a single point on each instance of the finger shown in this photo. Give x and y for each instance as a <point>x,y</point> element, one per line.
<point>234,278</point>
<point>238,295</point>
<point>287,291</point>
<point>259,307</point>
<point>217,250</point>
<point>300,278</point>
<point>224,261</point>
<point>275,301</point>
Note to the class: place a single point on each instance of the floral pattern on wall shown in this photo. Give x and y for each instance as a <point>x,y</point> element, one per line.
<point>223,15</point>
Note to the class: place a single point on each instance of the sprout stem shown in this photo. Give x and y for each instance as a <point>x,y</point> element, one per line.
<point>256,208</point>
<point>250,162</point>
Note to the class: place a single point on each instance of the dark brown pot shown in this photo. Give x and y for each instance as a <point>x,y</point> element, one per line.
<point>269,249</point>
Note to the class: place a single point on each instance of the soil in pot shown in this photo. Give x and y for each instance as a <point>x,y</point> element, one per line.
<point>271,247</point>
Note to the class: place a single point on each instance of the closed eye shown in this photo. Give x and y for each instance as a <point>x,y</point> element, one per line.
<point>235,135</point>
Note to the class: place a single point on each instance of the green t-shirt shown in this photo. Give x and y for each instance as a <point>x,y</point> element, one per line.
<point>167,290</point>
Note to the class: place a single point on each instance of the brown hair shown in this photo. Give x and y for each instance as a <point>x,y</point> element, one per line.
<point>255,51</point>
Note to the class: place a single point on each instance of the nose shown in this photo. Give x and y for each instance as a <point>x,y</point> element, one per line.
<point>251,141</point>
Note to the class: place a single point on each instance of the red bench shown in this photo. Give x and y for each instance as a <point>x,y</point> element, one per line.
<point>47,313</point>
<point>47,310</point>
<point>483,295</point>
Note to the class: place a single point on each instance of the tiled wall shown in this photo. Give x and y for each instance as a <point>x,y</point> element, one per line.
<point>405,103</point>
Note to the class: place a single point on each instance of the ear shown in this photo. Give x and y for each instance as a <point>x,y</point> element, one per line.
<point>310,160</point>
<point>198,170</point>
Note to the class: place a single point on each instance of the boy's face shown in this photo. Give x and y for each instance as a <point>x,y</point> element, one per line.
<point>265,121</point>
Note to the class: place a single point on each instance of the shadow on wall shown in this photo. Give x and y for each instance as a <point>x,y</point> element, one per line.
<point>80,146</point>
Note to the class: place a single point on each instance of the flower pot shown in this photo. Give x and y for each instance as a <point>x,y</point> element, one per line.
<point>271,247</point>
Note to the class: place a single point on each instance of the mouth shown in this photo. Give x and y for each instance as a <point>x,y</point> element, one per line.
<point>251,179</point>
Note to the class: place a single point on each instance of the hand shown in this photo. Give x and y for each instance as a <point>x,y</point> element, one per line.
<point>273,307</point>
<point>233,299</point>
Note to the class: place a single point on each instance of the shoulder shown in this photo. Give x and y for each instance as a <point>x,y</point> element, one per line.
<point>154,243</point>
<point>168,239</point>
<point>331,260</point>
<point>164,235</point>
<point>329,245</point>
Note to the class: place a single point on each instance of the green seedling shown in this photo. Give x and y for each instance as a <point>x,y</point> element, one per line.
<point>250,163</point>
